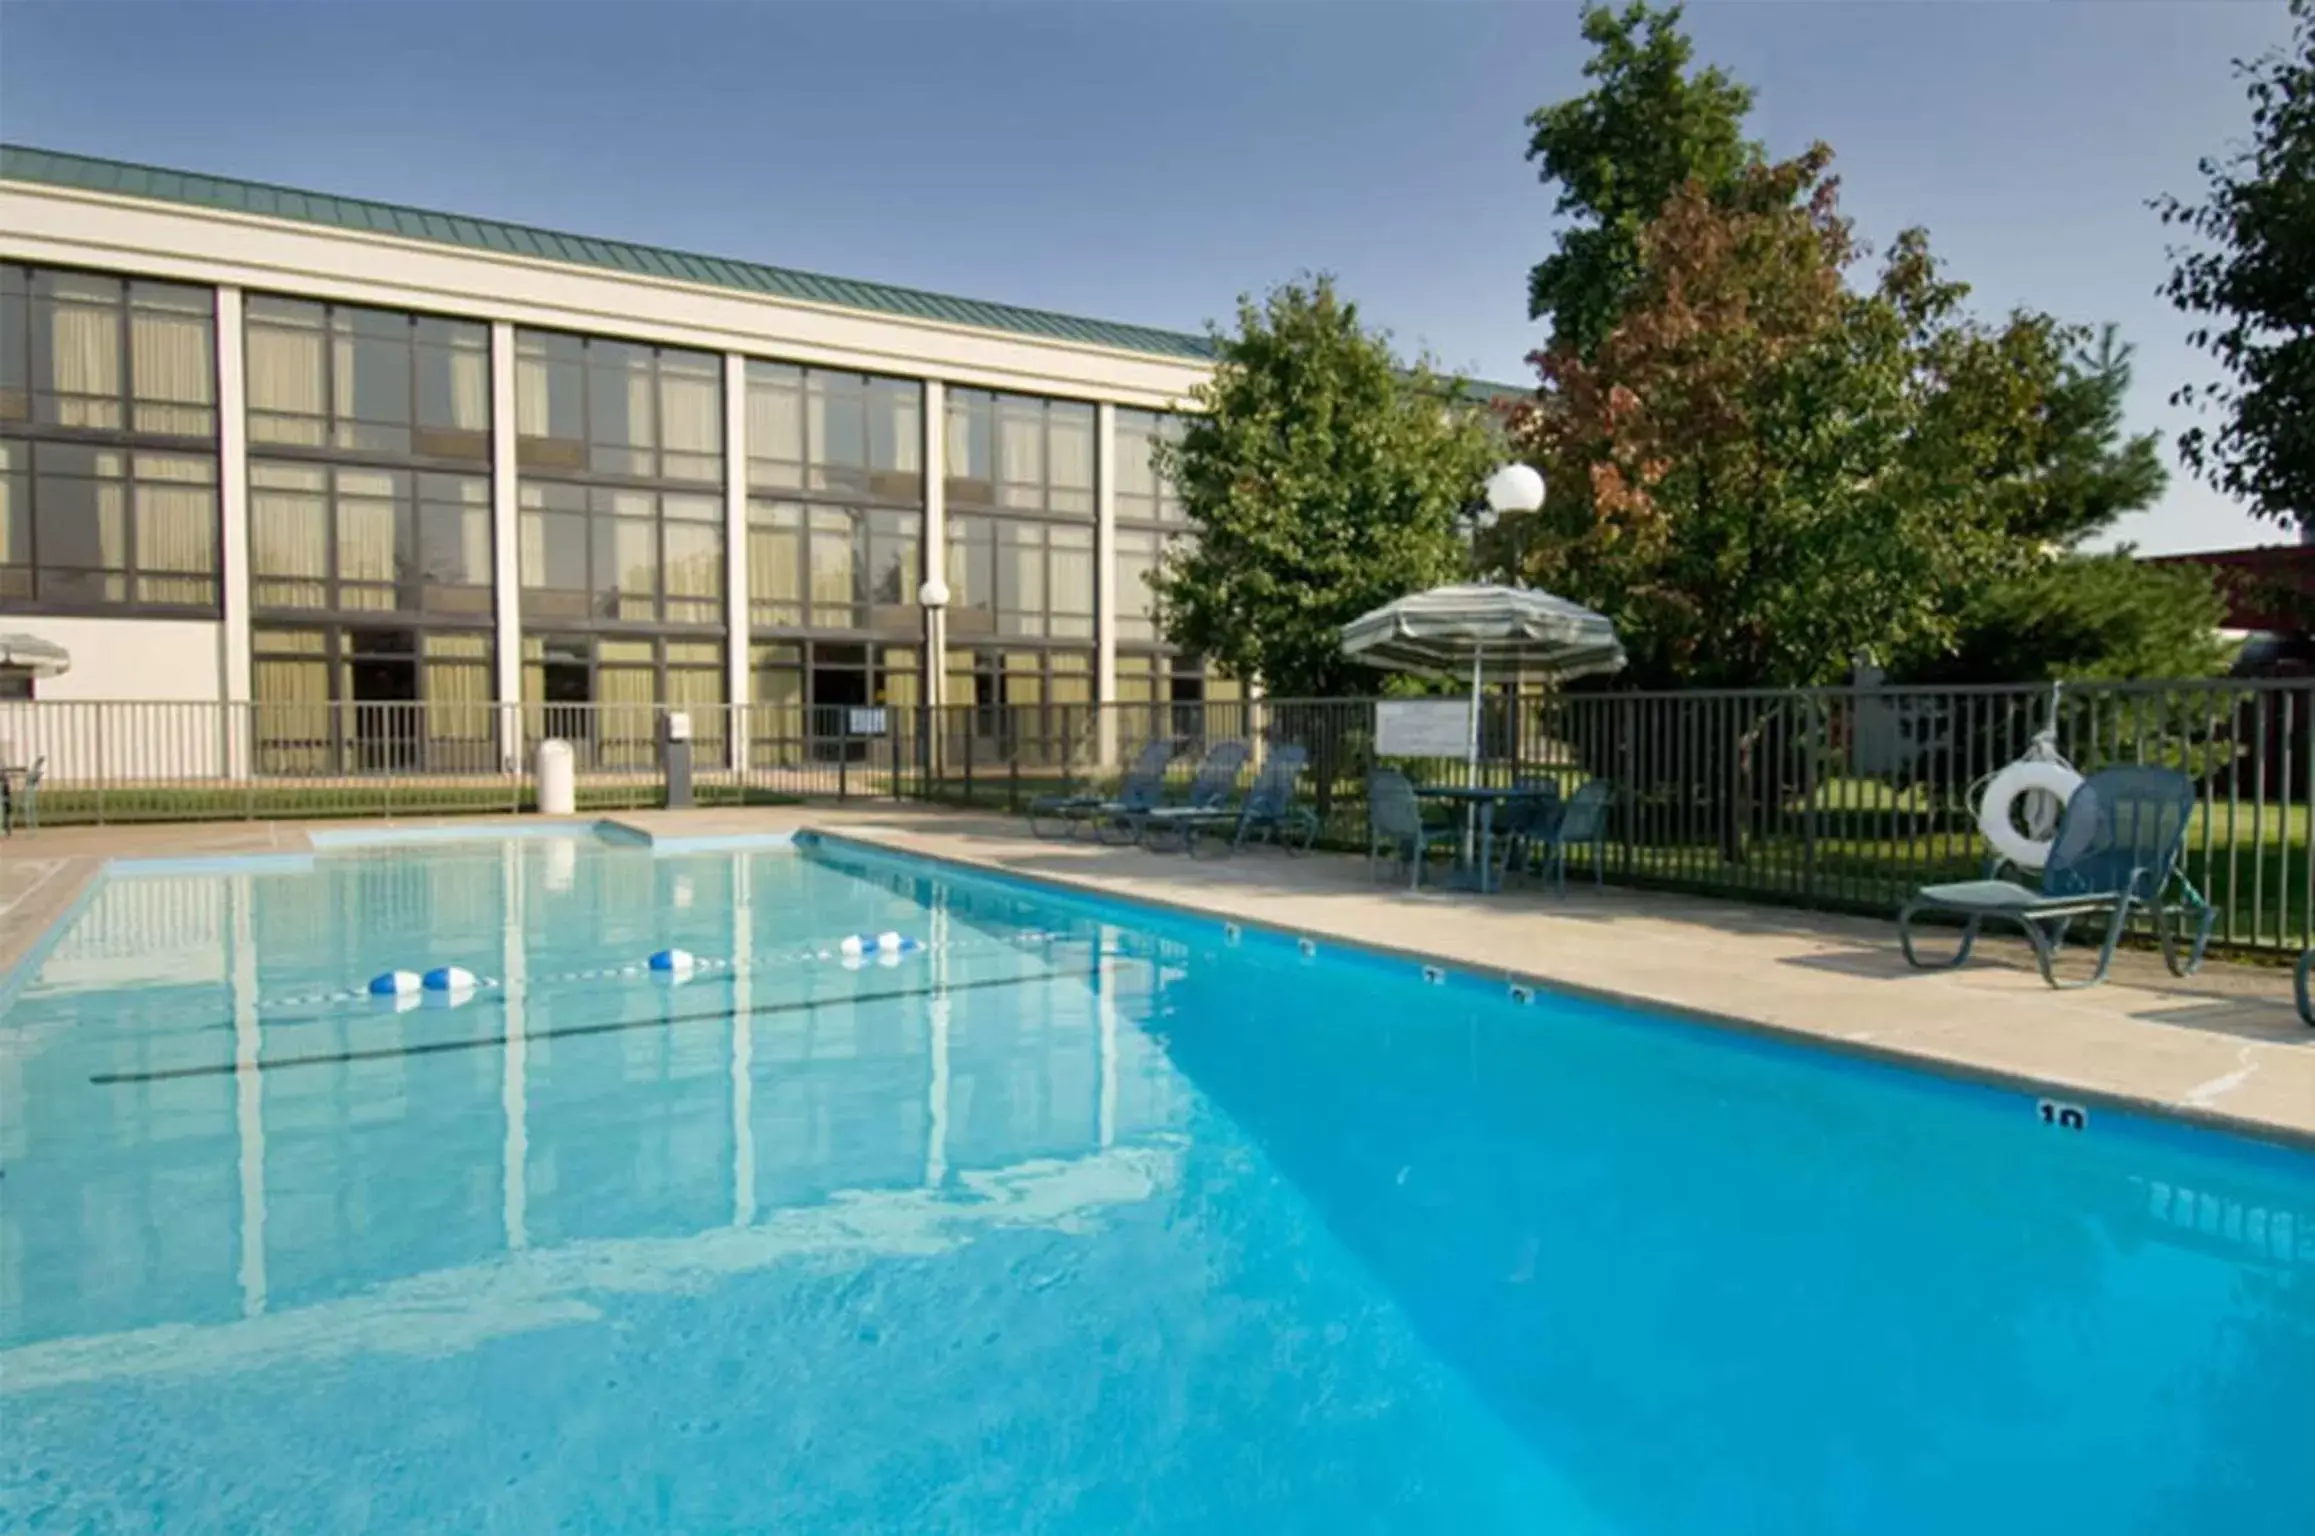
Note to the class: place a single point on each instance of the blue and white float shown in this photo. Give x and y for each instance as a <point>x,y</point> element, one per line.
<point>395,984</point>
<point>672,965</point>
<point>878,943</point>
<point>453,982</point>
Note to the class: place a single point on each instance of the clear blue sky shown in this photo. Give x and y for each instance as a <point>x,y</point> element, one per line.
<point>1149,162</point>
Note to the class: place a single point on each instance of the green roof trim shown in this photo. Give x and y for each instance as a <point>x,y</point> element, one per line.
<point>86,173</point>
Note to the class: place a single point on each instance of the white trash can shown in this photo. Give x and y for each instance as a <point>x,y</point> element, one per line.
<point>558,779</point>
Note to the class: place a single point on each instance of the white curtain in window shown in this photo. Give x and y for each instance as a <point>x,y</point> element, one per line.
<point>695,561</point>
<point>457,700</point>
<point>691,414</point>
<point>365,539</point>
<point>176,543</point>
<point>86,360</point>
<point>470,390</point>
<point>285,371</point>
<point>1023,588</point>
<point>834,569</point>
<point>1072,450</point>
<point>531,378</point>
<point>775,423</point>
<point>169,361</point>
<point>957,451</point>
<point>533,565</point>
<point>1020,447</point>
<point>1073,581</point>
<point>474,545</point>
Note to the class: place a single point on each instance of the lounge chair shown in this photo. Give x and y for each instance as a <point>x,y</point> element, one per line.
<point>2117,851</point>
<point>1268,810</point>
<point>1217,775</point>
<point>1059,816</point>
<point>2299,980</point>
<point>1395,821</point>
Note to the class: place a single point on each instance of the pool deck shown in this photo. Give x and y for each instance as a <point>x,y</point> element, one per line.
<point>2224,1047</point>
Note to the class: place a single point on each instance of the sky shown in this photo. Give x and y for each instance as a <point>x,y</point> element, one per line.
<point>1152,161</point>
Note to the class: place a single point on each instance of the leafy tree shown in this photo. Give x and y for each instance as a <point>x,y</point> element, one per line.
<point>1764,475</point>
<point>1647,128</point>
<point>1323,480</point>
<point>2087,616</point>
<point>2253,289</point>
<point>2090,474</point>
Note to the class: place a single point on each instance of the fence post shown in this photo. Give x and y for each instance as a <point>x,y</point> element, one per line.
<point>1813,741</point>
<point>844,753</point>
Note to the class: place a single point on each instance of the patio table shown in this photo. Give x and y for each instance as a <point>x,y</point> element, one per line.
<point>1479,803</point>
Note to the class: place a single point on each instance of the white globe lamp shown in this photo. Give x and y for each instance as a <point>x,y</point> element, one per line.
<point>934,593</point>
<point>1514,488</point>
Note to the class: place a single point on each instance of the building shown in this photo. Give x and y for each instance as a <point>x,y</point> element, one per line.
<point>2269,592</point>
<point>377,471</point>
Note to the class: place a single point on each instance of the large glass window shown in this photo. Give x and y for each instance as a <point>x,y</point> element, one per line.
<point>1020,453</point>
<point>804,690</point>
<point>617,408</point>
<point>1014,577</point>
<point>334,699</point>
<point>623,556</point>
<point>88,527</point>
<point>603,694</point>
<point>849,434</point>
<point>367,381</point>
<point>1031,706</point>
<point>1144,494</point>
<point>85,352</point>
<point>106,385</point>
<point>814,566</point>
<point>337,537</point>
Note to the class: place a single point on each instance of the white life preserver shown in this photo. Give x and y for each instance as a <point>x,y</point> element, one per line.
<point>1993,812</point>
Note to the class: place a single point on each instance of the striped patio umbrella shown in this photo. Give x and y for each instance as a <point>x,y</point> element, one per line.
<point>1450,631</point>
<point>30,653</point>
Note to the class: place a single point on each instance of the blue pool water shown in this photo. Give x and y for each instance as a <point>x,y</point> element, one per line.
<point>1080,1219</point>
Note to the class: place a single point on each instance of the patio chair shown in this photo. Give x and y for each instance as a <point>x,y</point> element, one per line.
<point>1581,823</point>
<point>1217,775</point>
<point>1395,821</point>
<point>1059,816</point>
<point>2117,850</point>
<point>1268,810</point>
<point>1522,824</point>
<point>2299,987</point>
<point>21,802</point>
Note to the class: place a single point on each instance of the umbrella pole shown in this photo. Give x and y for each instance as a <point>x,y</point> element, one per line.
<point>1471,775</point>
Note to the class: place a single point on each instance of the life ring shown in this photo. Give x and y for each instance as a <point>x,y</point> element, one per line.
<point>1993,812</point>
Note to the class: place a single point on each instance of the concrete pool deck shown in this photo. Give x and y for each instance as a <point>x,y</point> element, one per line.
<point>2224,1047</point>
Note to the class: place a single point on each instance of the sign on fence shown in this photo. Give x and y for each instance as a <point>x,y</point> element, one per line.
<point>865,722</point>
<point>1422,727</point>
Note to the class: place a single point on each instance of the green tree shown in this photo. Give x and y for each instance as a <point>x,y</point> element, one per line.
<point>2252,288</point>
<point>1646,128</point>
<point>1322,480</point>
<point>1765,475</point>
<point>2086,616</point>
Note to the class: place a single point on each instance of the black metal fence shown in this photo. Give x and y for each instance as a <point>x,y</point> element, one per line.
<point>1842,799</point>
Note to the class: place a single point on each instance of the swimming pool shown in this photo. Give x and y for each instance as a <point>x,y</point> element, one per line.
<point>1076,1217</point>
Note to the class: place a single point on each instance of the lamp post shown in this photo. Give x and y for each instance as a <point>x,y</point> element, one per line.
<point>1514,488</point>
<point>934,595</point>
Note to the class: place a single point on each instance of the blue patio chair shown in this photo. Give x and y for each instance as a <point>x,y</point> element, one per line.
<point>1059,816</point>
<point>1268,810</point>
<point>1523,824</point>
<point>1581,823</point>
<point>21,803</point>
<point>1217,775</point>
<point>1395,821</point>
<point>2118,849</point>
<point>2299,988</point>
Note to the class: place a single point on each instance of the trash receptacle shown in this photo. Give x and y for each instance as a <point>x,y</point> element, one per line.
<point>558,779</point>
<point>675,757</point>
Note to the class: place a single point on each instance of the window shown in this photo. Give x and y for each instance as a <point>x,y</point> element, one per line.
<point>849,434</point>
<point>1032,706</point>
<point>826,567</point>
<point>87,527</point>
<point>1007,576</point>
<point>355,699</point>
<point>1139,553</point>
<point>624,556</point>
<point>1144,495</point>
<point>805,689</point>
<point>603,694</point>
<point>84,352</point>
<point>1019,452</point>
<point>367,381</point>
<point>617,408</point>
<point>323,537</point>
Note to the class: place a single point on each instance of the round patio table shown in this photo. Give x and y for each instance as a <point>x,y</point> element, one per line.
<point>1479,803</point>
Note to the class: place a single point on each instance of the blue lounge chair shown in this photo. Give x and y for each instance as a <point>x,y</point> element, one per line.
<point>1059,816</point>
<point>1395,821</point>
<point>20,803</point>
<point>1217,775</point>
<point>1268,810</point>
<point>2299,979</point>
<point>2117,851</point>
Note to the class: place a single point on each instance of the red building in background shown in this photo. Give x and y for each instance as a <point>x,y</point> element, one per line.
<point>2270,597</point>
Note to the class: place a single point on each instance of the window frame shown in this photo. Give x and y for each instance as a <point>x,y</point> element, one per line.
<point>965,492</point>
<point>600,510</point>
<point>409,533</point>
<point>529,455</point>
<point>331,422</point>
